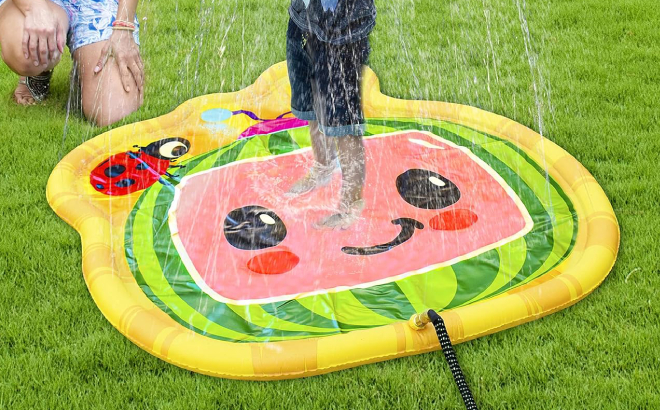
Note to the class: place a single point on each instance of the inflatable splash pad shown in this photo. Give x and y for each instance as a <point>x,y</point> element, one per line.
<point>192,250</point>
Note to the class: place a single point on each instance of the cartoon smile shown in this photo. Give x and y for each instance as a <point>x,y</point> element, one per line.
<point>408,226</point>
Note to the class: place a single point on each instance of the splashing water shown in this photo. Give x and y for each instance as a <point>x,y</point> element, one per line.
<point>403,12</point>
<point>537,82</point>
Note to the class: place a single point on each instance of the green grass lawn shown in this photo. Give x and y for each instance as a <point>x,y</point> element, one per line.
<point>588,75</point>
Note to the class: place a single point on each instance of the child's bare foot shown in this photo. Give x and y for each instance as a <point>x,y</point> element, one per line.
<point>344,219</point>
<point>22,94</point>
<point>318,175</point>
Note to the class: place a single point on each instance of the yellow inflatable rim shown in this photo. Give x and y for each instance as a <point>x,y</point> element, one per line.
<point>123,303</point>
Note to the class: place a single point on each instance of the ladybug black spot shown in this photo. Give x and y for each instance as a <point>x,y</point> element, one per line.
<point>114,170</point>
<point>124,183</point>
<point>141,166</point>
<point>99,186</point>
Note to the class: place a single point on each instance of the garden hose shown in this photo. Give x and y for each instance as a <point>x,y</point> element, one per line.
<point>418,322</point>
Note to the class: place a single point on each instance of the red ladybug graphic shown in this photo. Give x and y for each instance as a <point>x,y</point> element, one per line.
<point>127,172</point>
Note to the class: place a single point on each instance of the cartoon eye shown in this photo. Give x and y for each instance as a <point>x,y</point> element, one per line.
<point>168,148</point>
<point>426,189</point>
<point>254,227</point>
<point>114,170</point>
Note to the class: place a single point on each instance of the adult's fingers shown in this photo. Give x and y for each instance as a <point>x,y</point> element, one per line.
<point>26,44</point>
<point>137,75</point>
<point>141,66</point>
<point>140,63</point>
<point>126,77</point>
<point>105,53</point>
<point>43,50</point>
<point>32,47</point>
<point>61,38</point>
<point>53,51</point>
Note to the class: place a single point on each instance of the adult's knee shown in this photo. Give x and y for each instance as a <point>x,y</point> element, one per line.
<point>20,66</point>
<point>16,61</point>
<point>105,111</point>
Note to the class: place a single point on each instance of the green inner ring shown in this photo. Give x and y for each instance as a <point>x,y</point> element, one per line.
<point>486,275</point>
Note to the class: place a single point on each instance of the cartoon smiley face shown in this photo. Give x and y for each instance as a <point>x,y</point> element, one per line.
<point>428,203</point>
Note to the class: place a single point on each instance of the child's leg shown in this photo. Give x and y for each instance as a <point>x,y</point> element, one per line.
<point>338,82</point>
<point>301,73</point>
<point>352,161</point>
<point>351,204</point>
<point>324,148</point>
<point>325,155</point>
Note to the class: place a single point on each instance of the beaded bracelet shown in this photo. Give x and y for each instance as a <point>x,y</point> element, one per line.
<point>122,23</point>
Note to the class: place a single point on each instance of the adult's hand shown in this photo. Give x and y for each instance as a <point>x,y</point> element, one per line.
<point>126,54</point>
<point>43,36</point>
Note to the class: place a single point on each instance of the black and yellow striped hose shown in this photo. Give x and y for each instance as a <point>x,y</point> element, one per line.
<point>418,322</point>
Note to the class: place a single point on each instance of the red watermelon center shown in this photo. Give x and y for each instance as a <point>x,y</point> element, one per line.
<point>428,203</point>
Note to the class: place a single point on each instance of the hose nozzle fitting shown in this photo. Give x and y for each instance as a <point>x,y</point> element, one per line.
<point>419,320</point>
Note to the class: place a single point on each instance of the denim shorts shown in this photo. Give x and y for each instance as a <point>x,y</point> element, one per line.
<point>326,81</point>
<point>90,21</point>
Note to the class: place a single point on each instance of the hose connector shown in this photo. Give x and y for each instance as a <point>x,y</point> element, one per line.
<point>418,321</point>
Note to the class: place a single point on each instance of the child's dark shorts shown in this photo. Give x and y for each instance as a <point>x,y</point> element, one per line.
<point>326,81</point>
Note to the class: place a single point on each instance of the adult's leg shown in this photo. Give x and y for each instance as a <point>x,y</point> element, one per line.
<point>104,99</point>
<point>11,46</point>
